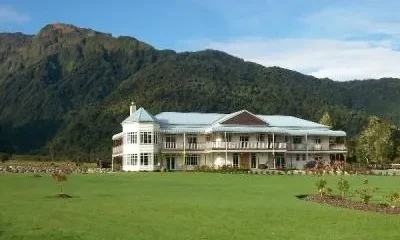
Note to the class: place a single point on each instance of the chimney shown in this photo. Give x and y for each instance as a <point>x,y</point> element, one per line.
<point>132,108</point>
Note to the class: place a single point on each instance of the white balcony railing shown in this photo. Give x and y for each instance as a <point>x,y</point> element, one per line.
<point>188,146</point>
<point>245,145</point>
<point>316,147</point>
<point>117,150</point>
<point>224,145</point>
<point>341,147</point>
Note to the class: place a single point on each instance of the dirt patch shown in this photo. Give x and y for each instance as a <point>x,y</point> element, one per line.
<point>337,201</point>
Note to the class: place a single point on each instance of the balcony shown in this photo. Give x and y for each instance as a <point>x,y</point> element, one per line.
<point>245,145</point>
<point>180,146</point>
<point>338,147</point>
<point>117,150</point>
<point>317,147</point>
<point>223,145</point>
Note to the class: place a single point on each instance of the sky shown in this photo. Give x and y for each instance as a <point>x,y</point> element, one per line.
<point>341,40</point>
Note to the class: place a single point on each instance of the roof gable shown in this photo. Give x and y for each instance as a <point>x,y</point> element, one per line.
<point>244,117</point>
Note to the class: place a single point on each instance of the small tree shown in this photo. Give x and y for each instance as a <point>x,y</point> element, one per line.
<point>61,176</point>
<point>321,186</point>
<point>365,192</point>
<point>343,186</point>
<point>327,120</point>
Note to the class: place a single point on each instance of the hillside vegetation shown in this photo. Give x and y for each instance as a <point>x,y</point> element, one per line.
<point>68,88</point>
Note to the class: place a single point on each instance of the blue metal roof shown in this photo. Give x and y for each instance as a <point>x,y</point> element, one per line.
<point>141,115</point>
<point>179,118</point>
<point>178,122</point>
<point>316,132</point>
<point>188,118</point>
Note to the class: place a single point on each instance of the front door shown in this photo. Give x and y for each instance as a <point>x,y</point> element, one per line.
<point>244,161</point>
<point>280,161</point>
<point>170,162</point>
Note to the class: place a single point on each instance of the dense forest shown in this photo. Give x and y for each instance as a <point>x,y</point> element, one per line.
<point>68,88</point>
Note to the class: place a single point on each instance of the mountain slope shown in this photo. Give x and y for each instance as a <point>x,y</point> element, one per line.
<point>70,87</point>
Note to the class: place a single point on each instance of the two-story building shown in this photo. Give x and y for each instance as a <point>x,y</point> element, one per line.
<point>177,141</point>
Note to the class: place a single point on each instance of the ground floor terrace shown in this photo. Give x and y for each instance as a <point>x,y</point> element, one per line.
<point>242,160</point>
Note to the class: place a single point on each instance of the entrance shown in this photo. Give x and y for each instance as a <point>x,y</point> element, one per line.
<point>244,161</point>
<point>170,162</point>
<point>280,161</point>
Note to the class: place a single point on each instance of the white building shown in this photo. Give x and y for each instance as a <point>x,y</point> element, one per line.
<point>178,141</point>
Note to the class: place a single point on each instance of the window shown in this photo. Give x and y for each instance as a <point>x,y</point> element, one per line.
<point>244,140</point>
<point>208,138</point>
<point>317,141</point>
<point>253,160</point>
<point>155,159</point>
<point>235,161</point>
<point>304,157</point>
<point>297,157</point>
<point>192,139</point>
<point>131,159</point>
<point>170,141</point>
<point>144,159</point>
<point>228,137</point>
<point>145,137</point>
<point>155,137</point>
<point>192,159</point>
<point>297,139</point>
<point>131,138</point>
<point>261,137</point>
<point>271,138</point>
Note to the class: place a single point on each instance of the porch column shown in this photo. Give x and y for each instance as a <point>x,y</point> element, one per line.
<point>306,146</point>
<point>273,148</point>
<point>226,149</point>
<point>112,164</point>
<point>273,143</point>
<point>184,148</point>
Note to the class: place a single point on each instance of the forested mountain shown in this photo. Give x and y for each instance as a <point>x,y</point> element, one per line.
<point>68,88</point>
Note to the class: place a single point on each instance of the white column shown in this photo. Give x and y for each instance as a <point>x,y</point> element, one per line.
<point>306,147</point>
<point>273,149</point>
<point>226,150</point>
<point>184,147</point>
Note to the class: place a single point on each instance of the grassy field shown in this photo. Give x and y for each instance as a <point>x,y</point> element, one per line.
<point>184,206</point>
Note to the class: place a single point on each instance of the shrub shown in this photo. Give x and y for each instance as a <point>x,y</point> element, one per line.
<point>393,198</point>
<point>5,157</point>
<point>321,186</point>
<point>329,191</point>
<point>343,186</point>
<point>365,192</point>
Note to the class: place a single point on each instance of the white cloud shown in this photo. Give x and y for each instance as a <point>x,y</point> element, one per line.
<point>9,15</point>
<point>335,59</point>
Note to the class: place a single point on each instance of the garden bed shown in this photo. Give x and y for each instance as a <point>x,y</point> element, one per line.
<point>337,201</point>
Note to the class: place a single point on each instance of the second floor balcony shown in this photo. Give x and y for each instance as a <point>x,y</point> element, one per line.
<point>224,145</point>
<point>317,147</point>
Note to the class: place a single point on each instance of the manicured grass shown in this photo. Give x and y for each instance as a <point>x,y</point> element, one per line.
<point>184,206</point>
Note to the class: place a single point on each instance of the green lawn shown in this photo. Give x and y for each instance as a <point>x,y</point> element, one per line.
<point>184,206</point>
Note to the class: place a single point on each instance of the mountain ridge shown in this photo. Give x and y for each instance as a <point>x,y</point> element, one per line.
<point>70,87</point>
